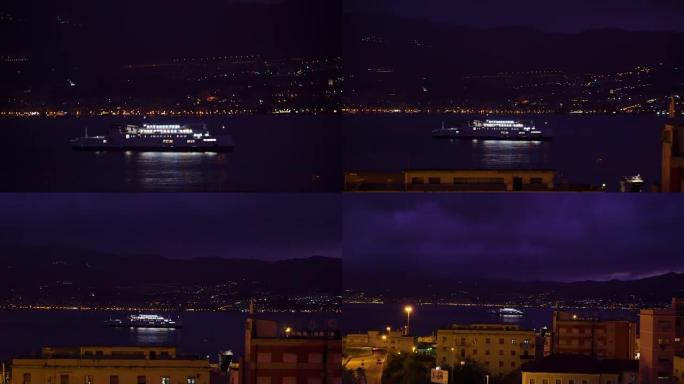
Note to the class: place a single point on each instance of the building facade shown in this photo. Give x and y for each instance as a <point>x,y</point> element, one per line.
<point>110,365</point>
<point>591,336</point>
<point>579,369</point>
<point>499,348</point>
<point>660,339</point>
<point>285,356</point>
<point>672,175</point>
<point>392,341</point>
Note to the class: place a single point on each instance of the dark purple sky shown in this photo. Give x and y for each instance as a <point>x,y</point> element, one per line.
<point>561,237</point>
<point>556,15</point>
<point>266,226</point>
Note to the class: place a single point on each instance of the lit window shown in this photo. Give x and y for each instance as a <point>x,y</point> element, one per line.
<point>192,380</point>
<point>166,380</point>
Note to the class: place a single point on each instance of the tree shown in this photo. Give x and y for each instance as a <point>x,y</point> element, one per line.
<point>407,368</point>
<point>471,372</point>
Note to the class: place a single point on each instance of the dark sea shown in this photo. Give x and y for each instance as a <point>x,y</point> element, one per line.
<point>271,153</point>
<point>586,149</point>
<point>204,333</point>
<point>426,319</point>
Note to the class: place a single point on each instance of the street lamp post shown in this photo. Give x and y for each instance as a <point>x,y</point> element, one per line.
<point>408,309</point>
<point>453,362</point>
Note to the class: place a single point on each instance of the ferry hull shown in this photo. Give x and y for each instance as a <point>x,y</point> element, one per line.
<point>218,148</point>
<point>499,138</point>
<point>122,325</point>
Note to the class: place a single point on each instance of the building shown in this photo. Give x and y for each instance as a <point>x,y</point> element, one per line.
<point>660,339</point>
<point>110,365</point>
<point>579,369</point>
<point>451,180</point>
<point>499,348</point>
<point>672,174</point>
<point>678,376</point>
<point>393,341</point>
<point>281,355</point>
<point>591,336</point>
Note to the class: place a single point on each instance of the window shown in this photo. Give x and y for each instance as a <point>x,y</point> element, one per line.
<point>191,380</point>
<point>315,358</point>
<point>290,358</point>
<point>289,380</point>
<point>166,380</point>
<point>487,340</point>
<point>263,380</point>
<point>63,379</point>
<point>512,364</point>
<point>500,363</point>
<point>487,352</point>
<point>584,382</point>
<point>113,379</point>
<point>501,341</point>
<point>88,379</point>
<point>417,180</point>
<point>545,381</point>
<point>571,381</point>
<point>532,381</point>
<point>558,381</point>
<point>27,378</point>
<point>314,380</point>
<point>513,352</point>
<point>474,351</point>
<point>263,357</point>
<point>434,180</point>
<point>535,180</point>
<point>142,379</point>
<point>501,352</point>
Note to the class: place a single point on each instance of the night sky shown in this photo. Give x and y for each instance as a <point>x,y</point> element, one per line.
<point>552,237</point>
<point>264,226</point>
<point>557,16</point>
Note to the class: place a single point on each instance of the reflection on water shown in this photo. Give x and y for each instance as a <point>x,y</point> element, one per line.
<point>152,336</point>
<point>174,170</point>
<point>509,153</point>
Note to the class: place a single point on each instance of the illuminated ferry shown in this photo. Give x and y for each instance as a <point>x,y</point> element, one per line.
<point>494,130</point>
<point>156,137</point>
<point>144,321</point>
<point>510,312</point>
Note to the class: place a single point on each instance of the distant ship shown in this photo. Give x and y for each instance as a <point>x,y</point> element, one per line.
<point>511,312</point>
<point>156,137</point>
<point>144,321</point>
<point>494,130</point>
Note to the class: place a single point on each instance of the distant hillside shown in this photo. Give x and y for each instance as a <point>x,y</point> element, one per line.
<point>23,269</point>
<point>654,289</point>
<point>427,47</point>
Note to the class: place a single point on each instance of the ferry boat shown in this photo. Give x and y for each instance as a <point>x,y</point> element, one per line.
<point>494,130</point>
<point>511,312</point>
<point>156,137</point>
<point>144,321</point>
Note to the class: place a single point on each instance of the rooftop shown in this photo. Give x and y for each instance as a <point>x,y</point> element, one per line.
<point>574,363</point>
